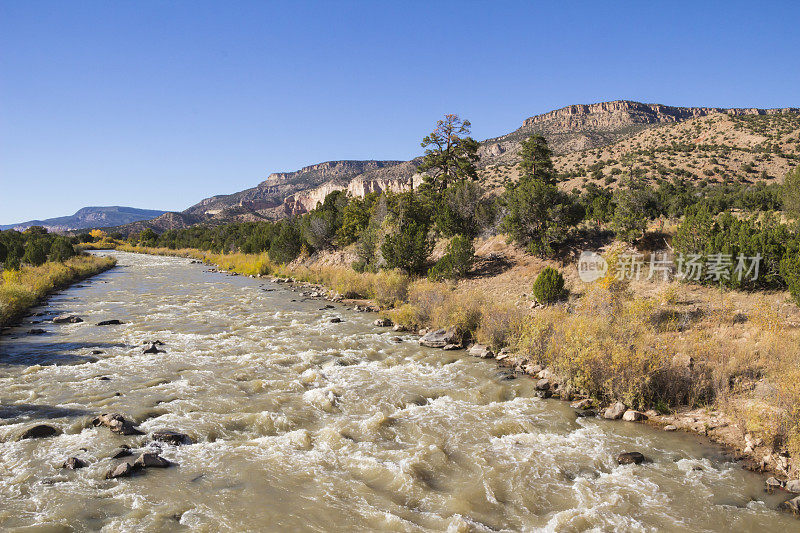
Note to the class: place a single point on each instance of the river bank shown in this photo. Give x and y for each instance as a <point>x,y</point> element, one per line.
<point>24,288</point>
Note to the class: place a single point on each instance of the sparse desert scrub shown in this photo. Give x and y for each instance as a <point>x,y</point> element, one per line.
<point>610,347</point>
<point>23,288</point>
<point>500,324</point>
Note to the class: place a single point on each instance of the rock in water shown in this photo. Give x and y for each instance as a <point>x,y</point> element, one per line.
<point>171,437</point>
<point>793,485</point>
<point>39,432</point>
<point>629,458</point>
<point>543,384</point>
<point>36,331</point>
<point>73,463</point>
<point>479,350</point>
<point>383,323</point>
<point>633,416</point>
<point>122,470</point>
<point>586,403</point>
<point>67,319</point>
<point>124,451</point>
<point>615,412</point>
<point>791,506</point>
<point>117,424</point>
<point>113,322</point>
<point>151,460</point>
<point>152,349</point>
<point>335,320</point>
<point>439,338</point>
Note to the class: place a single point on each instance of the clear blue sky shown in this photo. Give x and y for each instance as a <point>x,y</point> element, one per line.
<point>158,104</point>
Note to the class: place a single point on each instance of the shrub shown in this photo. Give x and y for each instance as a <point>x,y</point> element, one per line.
<point>35,251</point>
<point>408,248</point>
<point>61,249</point>
<point>457,261</point>
<point>286,246</point>
<point>462,311</point>
<point>390,288</point>
<point>791,193</point>
<point>790,272</point>
<point>499,325</point>
<point>549,286</point>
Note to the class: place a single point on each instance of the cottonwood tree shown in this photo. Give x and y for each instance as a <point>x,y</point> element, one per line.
<point>450,153</point>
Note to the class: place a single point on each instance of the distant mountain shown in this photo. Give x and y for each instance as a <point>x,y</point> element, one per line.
<point>747,144</point>
<point>90,217</point>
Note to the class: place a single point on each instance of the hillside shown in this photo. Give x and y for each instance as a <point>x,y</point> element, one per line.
<point>90,217</point>
<point>714,148</point>
<point>596,142</point>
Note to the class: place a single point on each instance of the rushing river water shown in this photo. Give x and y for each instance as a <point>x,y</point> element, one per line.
<point>303,424</point>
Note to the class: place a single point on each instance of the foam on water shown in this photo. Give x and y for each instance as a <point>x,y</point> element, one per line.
<point>302,424</point>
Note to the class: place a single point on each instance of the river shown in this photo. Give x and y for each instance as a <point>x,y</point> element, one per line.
<point>301,424</point>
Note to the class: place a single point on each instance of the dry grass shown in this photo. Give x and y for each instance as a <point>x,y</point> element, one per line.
<point>22,289</point>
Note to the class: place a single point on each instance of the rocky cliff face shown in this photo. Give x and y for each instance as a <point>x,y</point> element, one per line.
<point>586,126</point>
<point>271,196</point>
<point>623,113</point>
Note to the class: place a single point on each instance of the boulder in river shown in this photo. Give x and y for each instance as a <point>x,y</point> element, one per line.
<point>585,403</point>
<point>633,416</point>
<point>171,437</point>
<point>121,470</point>
<point>335,320</point>
<point>629,458</point>
<point>448,347</point>
<point>73,463</point>
<point>543,384</point>
<point>440,338</point>
<point>39,432</point>
<point>113,322</point>
<point>479,350</point>
<point>615,412</point>
<point>152,349</point>
<point>117,424</point>
<point>123,451</point>
<point>383,323</point>
<point>793,485</point>
<point>791,506</point>
<point>36,331</point>
<point>67,319</point>
<point>151,460</point>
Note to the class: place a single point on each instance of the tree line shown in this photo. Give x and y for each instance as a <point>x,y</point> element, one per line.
<point>399,230</point>
<point>34,246</point>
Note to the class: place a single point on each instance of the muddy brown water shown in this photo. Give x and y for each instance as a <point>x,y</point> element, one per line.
<point>300,424</point>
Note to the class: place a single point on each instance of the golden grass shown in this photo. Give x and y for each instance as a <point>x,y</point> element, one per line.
<point>22,289</point>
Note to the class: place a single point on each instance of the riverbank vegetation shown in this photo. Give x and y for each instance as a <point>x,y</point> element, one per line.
<point>449,254</point>
<point>24,287</point>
